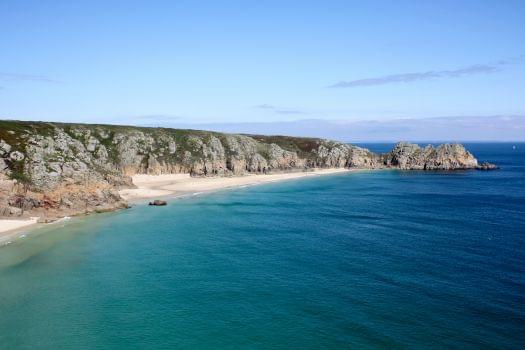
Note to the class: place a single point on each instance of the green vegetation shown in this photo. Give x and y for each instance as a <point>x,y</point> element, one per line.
<point>133,146</point>
<point>15,133</point>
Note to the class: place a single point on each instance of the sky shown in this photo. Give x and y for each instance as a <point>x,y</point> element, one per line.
<point>243,64</point>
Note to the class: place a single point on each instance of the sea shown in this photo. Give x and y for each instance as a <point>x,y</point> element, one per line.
<point>382,259</point>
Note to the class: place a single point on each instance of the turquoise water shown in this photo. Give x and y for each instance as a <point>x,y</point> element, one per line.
<point>382,259</point>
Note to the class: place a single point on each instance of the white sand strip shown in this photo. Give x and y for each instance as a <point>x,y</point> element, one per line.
<point>8,225</point>
<point>9,228</point>
<point>149,186</point>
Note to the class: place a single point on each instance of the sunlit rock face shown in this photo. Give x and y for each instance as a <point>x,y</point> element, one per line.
<point>444,157</point>
<point>73,168</point>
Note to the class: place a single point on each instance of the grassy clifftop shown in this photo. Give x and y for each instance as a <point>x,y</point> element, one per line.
<point>15,133</point>
<point>74,168</point>
<point>40,151</point>
<point>19,133</point>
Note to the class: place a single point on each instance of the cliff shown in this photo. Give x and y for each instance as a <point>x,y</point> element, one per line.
<point>56,169</point>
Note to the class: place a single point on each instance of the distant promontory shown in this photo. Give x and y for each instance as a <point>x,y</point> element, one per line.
<point>56,169</point>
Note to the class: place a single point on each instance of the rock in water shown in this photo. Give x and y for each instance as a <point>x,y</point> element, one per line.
<point>57,169</point>
<point>487,166</point>
<point>158,202</point>
<point>409,156</point>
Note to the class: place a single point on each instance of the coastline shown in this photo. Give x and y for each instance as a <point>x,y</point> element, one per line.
<point>10,229</point>
<point>170,185</point>
<point>177,185</point>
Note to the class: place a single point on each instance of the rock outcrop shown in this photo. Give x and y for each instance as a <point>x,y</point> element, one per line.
<point>55,169</point>
<point>444,157</point>
<point>487,166</point>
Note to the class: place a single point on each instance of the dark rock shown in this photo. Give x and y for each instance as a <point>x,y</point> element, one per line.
<point>69,169</point>
<point>158,202</point>
<point>487,166</point>
<point>10,211</point>
<point>24,203</point>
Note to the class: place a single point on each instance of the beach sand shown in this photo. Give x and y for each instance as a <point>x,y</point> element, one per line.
<point>150,186</point>
<point>10,228</point>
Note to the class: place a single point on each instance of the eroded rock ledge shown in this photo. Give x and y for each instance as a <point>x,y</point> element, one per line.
<point>56,169</point>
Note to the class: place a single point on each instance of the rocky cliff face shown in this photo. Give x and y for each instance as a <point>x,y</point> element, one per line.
<point>444,157</point>
<point>54,169</point>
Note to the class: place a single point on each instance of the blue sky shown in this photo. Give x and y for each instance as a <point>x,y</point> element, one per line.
<point>192,62</point>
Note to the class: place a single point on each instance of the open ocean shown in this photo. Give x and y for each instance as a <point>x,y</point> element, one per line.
<point>366,260</point>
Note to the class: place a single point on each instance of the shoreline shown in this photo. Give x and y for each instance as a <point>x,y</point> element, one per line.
<point>174,186</point>
<point>10,229</point>
<point>178,185</point>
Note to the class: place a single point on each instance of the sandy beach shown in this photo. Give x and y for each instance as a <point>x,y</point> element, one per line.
<point>10,228</point>
<point>149,186</point>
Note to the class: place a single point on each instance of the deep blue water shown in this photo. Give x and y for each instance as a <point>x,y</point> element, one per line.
<point>379,259</point>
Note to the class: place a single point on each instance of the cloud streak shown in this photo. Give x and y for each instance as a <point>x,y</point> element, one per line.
<point>284,111</point>
<point>265,106</point>
<point>459,128</point>
<point>26,77</point>
<point>278,110</point>
<point>428,75</point>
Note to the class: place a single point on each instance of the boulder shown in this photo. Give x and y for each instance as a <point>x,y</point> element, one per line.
<point>158,202</point>
<point>487,166</point>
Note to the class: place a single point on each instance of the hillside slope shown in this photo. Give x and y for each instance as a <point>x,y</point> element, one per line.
<point>55,169</point>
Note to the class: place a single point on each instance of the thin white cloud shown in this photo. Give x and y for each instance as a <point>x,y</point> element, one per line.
<point>265,106</point>
<point>26,77</point>
<point>288,111</point>
<point>279,110</point>
<point>428,75</point>
<point>459,128</point>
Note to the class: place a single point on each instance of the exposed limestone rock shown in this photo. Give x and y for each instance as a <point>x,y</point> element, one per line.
<point>92,144</point>
<point>279,158</point>
<point>54,160</point>
<point>103,133</point>
<point>487,166</point>
<point>3,165</point>
<point>51,169</point>
<point>257,164</point>
<point>362,158</point>
<point>444,157</point>
<point>10,211</point>
<point>131,148</point>
<point>4,148</point>
<point>242,150</point>
<point>332,154</point>
<point>215,157</point>
<point>16,156</point>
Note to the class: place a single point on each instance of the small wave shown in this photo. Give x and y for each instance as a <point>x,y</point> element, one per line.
<point>65,218</point>
<point>196,193</point>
